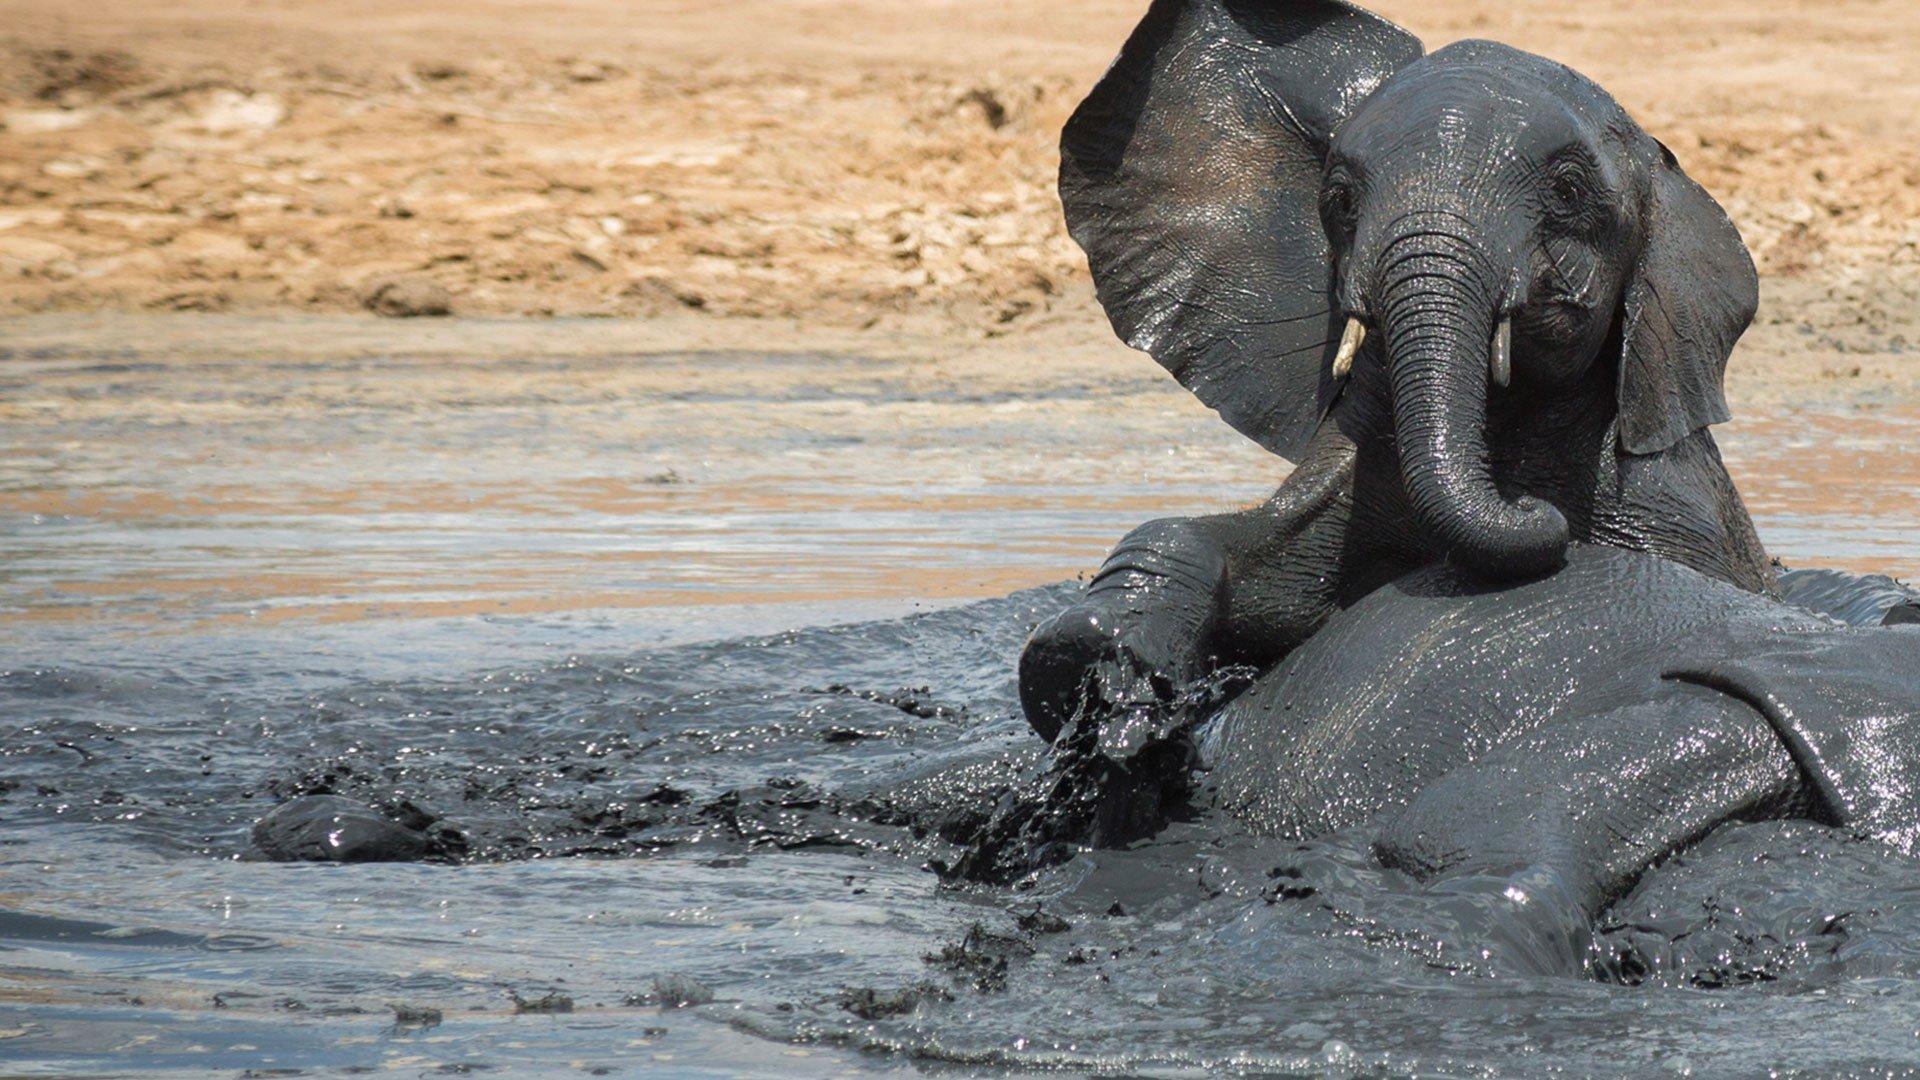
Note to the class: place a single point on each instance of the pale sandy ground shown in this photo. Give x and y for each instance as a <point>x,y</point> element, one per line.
<point>870,175</point>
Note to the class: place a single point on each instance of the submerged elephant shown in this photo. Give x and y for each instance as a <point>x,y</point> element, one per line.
<point>1484,311</point>
<point>1544,743</point>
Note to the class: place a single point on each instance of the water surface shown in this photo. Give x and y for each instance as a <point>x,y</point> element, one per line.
<point>531,591</point>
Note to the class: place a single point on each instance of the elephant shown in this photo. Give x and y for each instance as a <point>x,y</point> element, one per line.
<point>1484,312</point>
<point>1534,747</point>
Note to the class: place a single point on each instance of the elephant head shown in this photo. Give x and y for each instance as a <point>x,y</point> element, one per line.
<point>1271,191</point>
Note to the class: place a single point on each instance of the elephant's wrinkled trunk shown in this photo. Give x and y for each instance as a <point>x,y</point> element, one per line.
<point>1438,308</point>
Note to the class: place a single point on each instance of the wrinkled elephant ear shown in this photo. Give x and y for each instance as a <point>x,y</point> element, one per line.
<point>1191,176</point>
<point>1692,295</point>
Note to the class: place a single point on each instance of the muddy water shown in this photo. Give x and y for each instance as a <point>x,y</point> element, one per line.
<point>554,597</point>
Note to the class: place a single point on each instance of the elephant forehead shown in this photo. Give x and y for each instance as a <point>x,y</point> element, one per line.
<point>1430,673</point>
<point>1434,113</point>
<point>1531,76</point>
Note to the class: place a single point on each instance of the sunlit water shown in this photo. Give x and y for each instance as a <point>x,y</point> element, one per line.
<point>530,592</point>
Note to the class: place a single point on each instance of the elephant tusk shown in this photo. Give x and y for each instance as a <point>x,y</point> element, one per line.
<point>1350,342</point>
<point>1503,353</point>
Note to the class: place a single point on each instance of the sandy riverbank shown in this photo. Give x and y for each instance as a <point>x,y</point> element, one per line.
<point>879,171</point>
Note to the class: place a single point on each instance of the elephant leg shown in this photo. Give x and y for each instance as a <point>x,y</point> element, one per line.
<point>1181,595</point>
<point>1534,840</point>
<point>1142,631</point>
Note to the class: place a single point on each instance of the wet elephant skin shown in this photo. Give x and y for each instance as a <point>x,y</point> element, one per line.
<point>1572,731</point>
<point>1483,311</point>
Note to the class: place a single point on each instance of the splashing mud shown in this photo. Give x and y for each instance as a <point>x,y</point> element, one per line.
<point>717,839</point>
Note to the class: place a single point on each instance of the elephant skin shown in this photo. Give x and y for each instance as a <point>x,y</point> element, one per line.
<point>1539,745</point>
<point>1482,310</point>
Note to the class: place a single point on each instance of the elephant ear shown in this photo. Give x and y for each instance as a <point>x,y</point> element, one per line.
<point>1191,175</point>
<point>1692,295</point>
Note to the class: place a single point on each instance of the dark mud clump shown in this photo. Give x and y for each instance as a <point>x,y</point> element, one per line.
<point>407,1017</point>
<point>550,1003</point>
<point>868,1003</point>
<point>982,958</point>
<point>330,828</point>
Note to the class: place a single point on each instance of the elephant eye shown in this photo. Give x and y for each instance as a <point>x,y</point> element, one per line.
<point>1339,207</point>
<point>1566,191</point>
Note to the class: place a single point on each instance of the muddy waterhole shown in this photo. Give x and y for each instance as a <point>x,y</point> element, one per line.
<point>646,633</point>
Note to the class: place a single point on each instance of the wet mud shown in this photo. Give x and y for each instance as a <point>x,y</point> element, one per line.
<point>336,754</point>
<point>713,777</point>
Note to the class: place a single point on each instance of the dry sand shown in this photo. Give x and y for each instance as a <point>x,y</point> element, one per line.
<point>806,171</point>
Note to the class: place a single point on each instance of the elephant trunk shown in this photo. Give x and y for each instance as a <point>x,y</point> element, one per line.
<point>1440,315</point>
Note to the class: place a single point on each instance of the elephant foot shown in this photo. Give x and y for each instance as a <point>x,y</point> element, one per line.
<point>1124,655</point>
<point>1078,668</point>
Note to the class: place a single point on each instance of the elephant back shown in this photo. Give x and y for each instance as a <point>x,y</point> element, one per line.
<point>1433,671</point>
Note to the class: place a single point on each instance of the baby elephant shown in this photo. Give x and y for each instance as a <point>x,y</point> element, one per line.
<point>1535,747</point>
<point>1483,310</point>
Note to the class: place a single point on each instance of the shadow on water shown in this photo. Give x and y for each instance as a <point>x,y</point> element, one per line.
<point>694,841</point>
